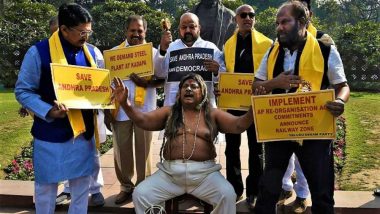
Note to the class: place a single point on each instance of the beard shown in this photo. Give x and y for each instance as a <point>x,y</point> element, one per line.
<point>188,37</point>
<point>290,38</point>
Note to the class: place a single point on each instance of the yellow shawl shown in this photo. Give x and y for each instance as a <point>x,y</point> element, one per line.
<point>260,45</point>
<point>140,92</point>
<point>75,115</point>
<point>311,66</point>
<point>312,30</point>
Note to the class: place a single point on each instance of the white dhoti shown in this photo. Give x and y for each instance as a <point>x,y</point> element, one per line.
<point>174,178</point>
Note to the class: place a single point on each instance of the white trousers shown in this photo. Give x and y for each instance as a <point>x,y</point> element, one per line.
<point>300,187</point>
<point>174,178</point>
<point>45,195</point>
<point>96,179</point>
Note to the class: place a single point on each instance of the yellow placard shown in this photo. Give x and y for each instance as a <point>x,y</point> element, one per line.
<point>81,87</point>
<point>235,91</point>
<point>136,59</point>
<point>295,116</point>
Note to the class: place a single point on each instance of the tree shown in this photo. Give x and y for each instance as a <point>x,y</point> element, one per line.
<point>266,22</point>
<point>364,10</point>
<point>262,5</point>
<point>23,24</point>
<point>334,13</point>
<point>360,51</point>
<point>55,3</point>
<point>172,7</point>
<point>232,4</point>
<point>110,17</point>
<point>1,7</point>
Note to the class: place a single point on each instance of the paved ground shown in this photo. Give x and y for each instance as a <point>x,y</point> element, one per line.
<point>362,202</point>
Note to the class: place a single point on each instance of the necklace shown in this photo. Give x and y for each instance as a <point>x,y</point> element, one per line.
<point>184,140</point>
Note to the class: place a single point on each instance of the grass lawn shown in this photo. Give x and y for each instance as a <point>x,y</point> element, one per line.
<point>362,166</point>
<point>15,131</point>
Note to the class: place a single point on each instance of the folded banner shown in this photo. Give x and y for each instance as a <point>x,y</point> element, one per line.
<point>296,116</point>
<point>235,91</point>
<point>81,87</point>
<point>136,59</point>
<point>189,60</point>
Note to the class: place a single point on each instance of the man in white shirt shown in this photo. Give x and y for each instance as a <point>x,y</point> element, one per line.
<point>282,72</point>
<point>189,33</point>
<point>123,128</point>
<point>301,187</point>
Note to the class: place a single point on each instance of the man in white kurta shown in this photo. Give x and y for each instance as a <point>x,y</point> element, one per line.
<point>189,32</point>
<point>123,129</point>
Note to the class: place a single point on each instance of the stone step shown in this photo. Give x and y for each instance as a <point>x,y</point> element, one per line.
<point>18,195</point>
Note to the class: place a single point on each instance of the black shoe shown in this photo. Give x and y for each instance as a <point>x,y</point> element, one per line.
<point>251,201</point>
<point>63,198</point>
<point>97,200</point>
<point>376,192</point>
<point>123,196</point>
<point>299,205</point>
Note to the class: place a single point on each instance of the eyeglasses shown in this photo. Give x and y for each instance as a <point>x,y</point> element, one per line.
<point>244,15</point>
<point>84,32</point>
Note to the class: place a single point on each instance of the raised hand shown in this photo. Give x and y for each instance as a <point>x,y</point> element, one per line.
<point>166,39</point>
<point>119,92</point>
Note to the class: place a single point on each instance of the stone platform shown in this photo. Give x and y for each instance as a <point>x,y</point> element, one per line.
<point>17,196</point>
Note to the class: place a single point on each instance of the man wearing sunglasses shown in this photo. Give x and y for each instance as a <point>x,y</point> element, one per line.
<point>243,53</point>
<point>59,154</point>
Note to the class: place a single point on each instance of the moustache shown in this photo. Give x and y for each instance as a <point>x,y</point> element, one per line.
<point>136,37</point>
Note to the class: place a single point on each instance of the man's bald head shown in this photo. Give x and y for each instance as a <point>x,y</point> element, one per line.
<point>243,7</point>
<point>189,16</point>
<point>189,28</point>
<point>245,19</point>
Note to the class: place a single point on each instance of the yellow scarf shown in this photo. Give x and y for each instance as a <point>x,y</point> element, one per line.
<point>312,30</point>
<point>311,66</point>
<point>140,92</point>
<point>260,45</point>
<point>75,115</point>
